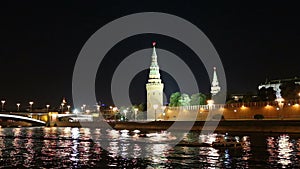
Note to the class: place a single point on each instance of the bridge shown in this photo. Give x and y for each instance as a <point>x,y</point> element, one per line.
<point>22,118</point>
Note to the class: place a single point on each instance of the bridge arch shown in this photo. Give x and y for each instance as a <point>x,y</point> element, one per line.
<point>22,118</point>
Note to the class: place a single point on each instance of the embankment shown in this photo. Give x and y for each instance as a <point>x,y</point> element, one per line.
<point>269,126</point>
<point>263,126</point>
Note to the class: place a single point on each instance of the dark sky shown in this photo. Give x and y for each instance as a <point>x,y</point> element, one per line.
<point>40,41</point>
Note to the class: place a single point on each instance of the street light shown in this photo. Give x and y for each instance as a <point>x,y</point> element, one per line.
<point>115,109</point>
<point>2,101</point>
<point>163,111</point>
<point>110,110</point>
<point>68,106</point>
<point>135,111</point>
<point>125,112</point>
<point>30,103</point>
<point>98,108</point>
<point>83,107</point>
<point>155,106</point>
<point>47,106</point>
<point>18,106</point>
<point>62,107</point>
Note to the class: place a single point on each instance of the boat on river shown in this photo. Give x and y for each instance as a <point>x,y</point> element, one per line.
<point>227,141</point>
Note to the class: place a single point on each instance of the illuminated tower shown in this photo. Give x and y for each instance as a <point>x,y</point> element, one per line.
<point>215,88</point>
<point>154,89</point>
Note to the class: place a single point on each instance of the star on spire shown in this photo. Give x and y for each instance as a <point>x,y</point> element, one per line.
<point>153,44</point>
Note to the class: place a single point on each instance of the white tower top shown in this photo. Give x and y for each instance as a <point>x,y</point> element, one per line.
<point>154,75</point>
<point>215,88</point>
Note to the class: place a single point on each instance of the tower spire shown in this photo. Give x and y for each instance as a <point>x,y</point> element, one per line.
<point>154,75</point>
<point>215,88</point>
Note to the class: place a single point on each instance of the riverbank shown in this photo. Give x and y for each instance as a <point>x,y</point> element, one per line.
<point>262,126</point>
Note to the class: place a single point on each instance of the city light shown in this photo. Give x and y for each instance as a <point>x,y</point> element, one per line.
<point>2,102</point>
<point>30,103</point>
<point>280,102</point>
<point>210,102</point>
<point>62,107</point>
<point>135,113</point>
<point>47,106</point>
<point>268,106</point>
<point>125,114</point>
<point>115,109</point>
<point>18,106</point>
<point>163,111</point>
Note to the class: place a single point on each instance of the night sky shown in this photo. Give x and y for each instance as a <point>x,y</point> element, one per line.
<point>41,40</point>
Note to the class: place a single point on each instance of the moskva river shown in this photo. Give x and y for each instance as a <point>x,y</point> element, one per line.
<point>65,147</point>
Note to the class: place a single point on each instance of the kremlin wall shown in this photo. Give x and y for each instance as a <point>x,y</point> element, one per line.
<point>238,111</point>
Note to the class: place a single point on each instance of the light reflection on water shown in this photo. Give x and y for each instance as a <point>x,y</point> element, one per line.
<point>81,148</point>
<point>284,151</point>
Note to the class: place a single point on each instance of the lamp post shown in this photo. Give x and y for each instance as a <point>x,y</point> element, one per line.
<point>115,109</point>
<point>30,103</point>
<point>110,110</point>
<point>68,106</point>
<point>163,111</point>
<point>47,106</point>
<point>2,102</point>
<point>62,107</point>
<point>18,106</point>
<point>125,112</point>
<point>135,112</point>
<point>155,106</point>
<point>98,108</point>
<point>83,107</point>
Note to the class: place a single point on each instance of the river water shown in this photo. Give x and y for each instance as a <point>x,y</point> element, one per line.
<point>64,147</point>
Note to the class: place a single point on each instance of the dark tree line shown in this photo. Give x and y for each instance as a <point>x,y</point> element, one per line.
<point>289,91</point>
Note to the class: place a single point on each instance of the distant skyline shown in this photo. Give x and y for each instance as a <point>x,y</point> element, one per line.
<point>40,42</point>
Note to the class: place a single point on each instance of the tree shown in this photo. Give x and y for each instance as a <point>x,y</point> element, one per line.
<point>198,99</point>
<point>184,100</point>
<point>267,94</point>
<point>290,90</point>
<point>141,107</point>
<point>174,98</point>
<point>128,115</point>
<point>141,116</point>
<point>247,99</point>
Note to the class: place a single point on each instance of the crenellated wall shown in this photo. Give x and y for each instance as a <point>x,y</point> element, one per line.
<point>201,113</point>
